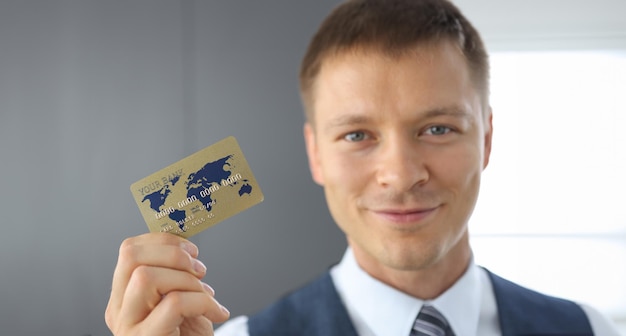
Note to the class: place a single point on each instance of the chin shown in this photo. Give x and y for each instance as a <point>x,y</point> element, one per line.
<point>414,257</point>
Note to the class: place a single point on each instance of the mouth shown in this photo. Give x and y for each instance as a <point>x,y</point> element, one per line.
<point>405,216</point>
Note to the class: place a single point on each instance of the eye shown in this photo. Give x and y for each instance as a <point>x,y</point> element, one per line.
<point>437,130</point>
<point>355,136</point>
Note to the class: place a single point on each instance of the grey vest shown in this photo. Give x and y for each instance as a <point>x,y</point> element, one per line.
<point>317,310</point>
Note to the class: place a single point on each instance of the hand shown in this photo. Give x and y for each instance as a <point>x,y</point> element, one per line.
<point>157,289</point>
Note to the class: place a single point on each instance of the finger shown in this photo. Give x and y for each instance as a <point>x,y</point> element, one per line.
<point>161,255</point>
<point>148,255</point>
<point>148,285</point>
<point>163,250</point>
<point>176,307</point>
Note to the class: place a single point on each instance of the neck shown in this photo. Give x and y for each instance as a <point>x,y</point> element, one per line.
<point>426,282</point>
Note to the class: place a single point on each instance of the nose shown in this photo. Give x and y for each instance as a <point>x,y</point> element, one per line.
<point>400,165</point>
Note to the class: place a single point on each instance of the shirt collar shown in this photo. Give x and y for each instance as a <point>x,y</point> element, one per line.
<point>380,309</point>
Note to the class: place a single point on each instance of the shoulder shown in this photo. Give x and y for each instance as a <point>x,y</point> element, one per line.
<point>600,323</point>
<point>291,312</point>
<point>508,290</point>
<point>314,309</point>
<point>523,310</point>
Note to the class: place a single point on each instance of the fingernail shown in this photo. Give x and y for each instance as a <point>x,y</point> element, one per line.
<point>190,248</point>
<point>198,266</point>
<point>208,288</point>
<point>224,310</point>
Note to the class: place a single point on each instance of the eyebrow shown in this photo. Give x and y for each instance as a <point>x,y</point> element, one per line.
<point>346,120</point>
<point>357,119</point>
<point>452,111</point>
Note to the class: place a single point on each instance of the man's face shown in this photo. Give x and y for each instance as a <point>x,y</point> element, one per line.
<point>399,145</point>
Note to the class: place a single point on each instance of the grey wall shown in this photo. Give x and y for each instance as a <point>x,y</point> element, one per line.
<point>96,94</point>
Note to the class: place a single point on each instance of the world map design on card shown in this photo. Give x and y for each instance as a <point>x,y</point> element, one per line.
<point>199,191</point>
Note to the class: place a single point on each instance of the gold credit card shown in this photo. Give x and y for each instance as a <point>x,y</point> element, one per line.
<point>198,191</point>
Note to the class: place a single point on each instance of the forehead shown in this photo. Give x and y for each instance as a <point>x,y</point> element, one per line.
<point>419,61</point>
<point>424,78</point>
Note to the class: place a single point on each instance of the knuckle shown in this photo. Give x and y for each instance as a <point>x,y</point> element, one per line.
<point>109,317</point>
<point>127,243</point>
<point>142,276</point>
<point>179,258</point>
<point>174,303</point>
<point>128,252</point>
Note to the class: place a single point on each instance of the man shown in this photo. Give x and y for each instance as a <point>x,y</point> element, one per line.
<point>398,132</point>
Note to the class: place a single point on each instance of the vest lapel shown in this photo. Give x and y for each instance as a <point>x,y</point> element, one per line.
<point>528,313</point>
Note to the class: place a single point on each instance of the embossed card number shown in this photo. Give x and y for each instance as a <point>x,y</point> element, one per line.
<point>198,191</point>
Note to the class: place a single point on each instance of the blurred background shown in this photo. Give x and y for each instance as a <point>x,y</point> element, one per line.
<point>96,94</point>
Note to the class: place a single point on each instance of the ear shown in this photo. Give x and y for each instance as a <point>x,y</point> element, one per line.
<point>312,153</point>
<point>488,137</point>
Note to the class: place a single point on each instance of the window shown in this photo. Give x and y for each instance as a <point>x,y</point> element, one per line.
<point>552,210</point>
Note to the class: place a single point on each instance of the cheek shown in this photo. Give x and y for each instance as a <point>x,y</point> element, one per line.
<point>458,168</point>
<point>343,171</point>
<point>344,181</point>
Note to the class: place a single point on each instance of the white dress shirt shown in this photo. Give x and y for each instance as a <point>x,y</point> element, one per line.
<point>377,309</point>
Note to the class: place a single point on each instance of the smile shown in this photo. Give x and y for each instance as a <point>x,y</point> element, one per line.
<point>405,216</point>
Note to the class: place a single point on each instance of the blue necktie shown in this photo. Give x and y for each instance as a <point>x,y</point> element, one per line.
<point>430,322</point>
